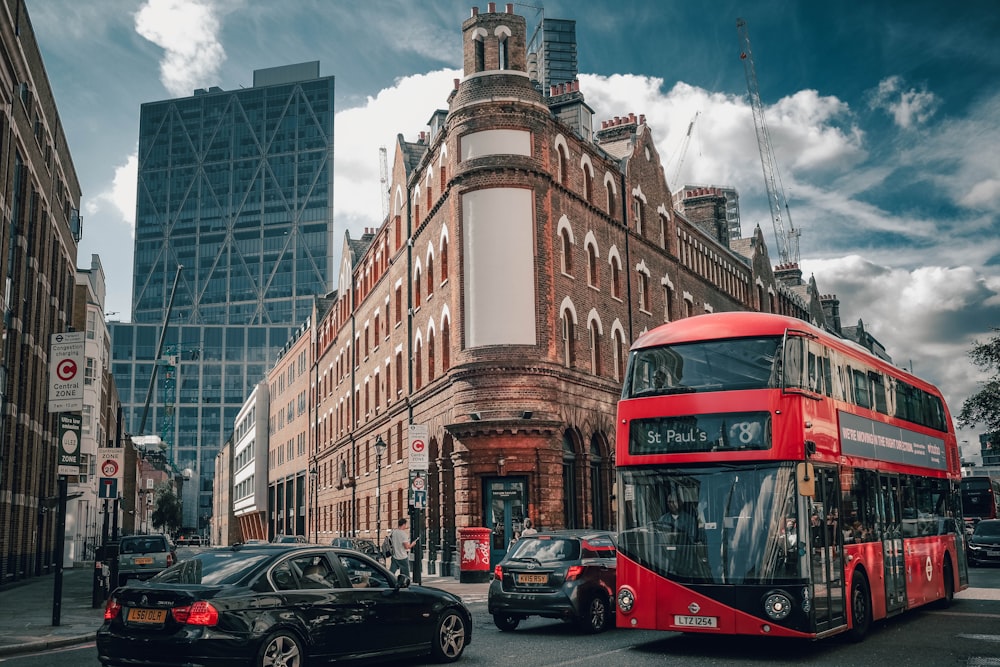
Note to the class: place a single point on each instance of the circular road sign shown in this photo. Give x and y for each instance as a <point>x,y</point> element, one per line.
<point>109,468</point>
<point>418,445</point>
<point>418,483</point>
<point>66,370</point>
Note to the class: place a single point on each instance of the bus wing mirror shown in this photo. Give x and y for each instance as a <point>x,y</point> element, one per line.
<point>805,476</point>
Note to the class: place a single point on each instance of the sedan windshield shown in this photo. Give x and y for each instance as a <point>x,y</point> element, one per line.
<point>987,529</point>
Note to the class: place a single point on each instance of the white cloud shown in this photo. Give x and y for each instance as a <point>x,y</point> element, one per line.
<point>121,195</point>
<point>188,31</point>
<point>908,108</point>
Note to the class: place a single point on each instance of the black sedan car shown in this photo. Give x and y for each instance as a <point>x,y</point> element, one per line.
<point>984,545</point>
<point>279,604</point>
<point>559,574</point>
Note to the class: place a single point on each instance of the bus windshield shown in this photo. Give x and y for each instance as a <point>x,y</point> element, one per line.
<point>734,524</point>
<point>717,365</point>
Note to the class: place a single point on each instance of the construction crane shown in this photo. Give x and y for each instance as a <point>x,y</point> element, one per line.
<point>383,160</point>
<point>788,240</point>
<point>682,152</point>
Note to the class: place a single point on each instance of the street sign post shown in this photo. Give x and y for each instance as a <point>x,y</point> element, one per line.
<point>419,457</point>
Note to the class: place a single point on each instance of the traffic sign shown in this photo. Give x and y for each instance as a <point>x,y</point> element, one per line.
<point>419,455</point>
<point>69,443</point>
<point>66,361</point>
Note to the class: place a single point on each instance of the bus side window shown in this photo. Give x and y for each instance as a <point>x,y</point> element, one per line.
<point>860,388</point>
<point>878,391</point>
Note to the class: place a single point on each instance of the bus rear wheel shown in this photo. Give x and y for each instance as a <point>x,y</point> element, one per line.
<point>861,608</point>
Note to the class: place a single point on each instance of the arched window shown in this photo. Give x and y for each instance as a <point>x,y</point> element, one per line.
<point>502,48</point>
<point>416,288</point>
<point>570,505</point>
<point>643,281</point>
<point>561,166</point>
<point>592,273</point>
<point>444,259</point>
<point>430,355</point>
<point>569,338</point>
<point>611,200</point>
<point>567,254</point>
<point>417,359</point>
<point>445,345</point>
<point>479,54</point>
<point>616,278</point>
<point>588,185</point>
<point>619,346</point>
<point>430,275</point>
<point>600,490</point>
<point>595,348</point>
<point>668,303</point>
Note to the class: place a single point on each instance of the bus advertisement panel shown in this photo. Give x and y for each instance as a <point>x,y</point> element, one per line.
<point>774,479</point>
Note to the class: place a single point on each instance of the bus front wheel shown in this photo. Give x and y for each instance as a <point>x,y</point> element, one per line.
<point>861,608</point>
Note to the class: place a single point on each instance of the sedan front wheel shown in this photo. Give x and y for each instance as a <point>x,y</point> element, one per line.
<point>449,637</point>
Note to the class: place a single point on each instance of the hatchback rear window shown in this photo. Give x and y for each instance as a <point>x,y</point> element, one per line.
<point>143,546</point>
<point>547,549</point>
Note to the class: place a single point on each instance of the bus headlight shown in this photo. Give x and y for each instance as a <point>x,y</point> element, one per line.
<point>626,600</point>
<point>777,605</point>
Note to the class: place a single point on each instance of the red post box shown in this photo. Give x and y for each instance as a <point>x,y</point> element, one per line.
<point>474,555</point>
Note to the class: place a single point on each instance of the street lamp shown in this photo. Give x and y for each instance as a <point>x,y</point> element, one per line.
<point>380,448</point>
<point>314,478</point>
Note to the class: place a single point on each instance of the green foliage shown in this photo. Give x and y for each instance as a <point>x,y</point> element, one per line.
<point>983,407</point>
<point>167,514</point>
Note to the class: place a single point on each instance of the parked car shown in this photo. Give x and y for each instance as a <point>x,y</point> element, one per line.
<point>558,574</point>
<point>278,604</point>
<point>984,545</point>
<point>142,556</point>
<point>290,539</point>
<point>361,544</point>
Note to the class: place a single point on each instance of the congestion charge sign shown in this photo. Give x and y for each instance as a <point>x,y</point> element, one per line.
<point>66,357</point>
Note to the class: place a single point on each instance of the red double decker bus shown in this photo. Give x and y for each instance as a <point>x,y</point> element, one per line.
<point>774,479</point>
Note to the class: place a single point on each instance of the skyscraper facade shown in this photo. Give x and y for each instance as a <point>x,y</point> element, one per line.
<point>234,221</point>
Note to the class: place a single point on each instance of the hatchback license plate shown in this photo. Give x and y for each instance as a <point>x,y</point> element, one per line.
<point>698,621</point>
<point>136,615</point>
<point>993,553</point>
<point>144,560</point>
<point>532,578</point>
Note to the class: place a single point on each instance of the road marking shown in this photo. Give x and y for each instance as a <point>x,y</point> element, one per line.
<point>962,613</point>
<point>982,638</point>
<point>980,661</point>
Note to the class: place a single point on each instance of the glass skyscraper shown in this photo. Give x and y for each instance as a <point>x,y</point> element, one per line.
<point>235,187</point>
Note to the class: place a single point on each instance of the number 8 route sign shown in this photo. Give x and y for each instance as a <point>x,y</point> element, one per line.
<point>419,458</point>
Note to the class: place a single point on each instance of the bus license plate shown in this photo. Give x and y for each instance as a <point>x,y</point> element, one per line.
<point>136,615</point>
<point>532,578</point>
<point>697,621</point>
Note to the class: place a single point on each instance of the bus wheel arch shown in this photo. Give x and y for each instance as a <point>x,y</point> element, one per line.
<point>860,606</point>
<point>948,580</point>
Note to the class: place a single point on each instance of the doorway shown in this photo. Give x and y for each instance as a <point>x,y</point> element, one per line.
<point>505,505</point>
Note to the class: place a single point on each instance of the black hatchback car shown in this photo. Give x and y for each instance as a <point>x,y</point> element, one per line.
<point>984,545</point>
<point>279,604</point>
<point>568,575</point>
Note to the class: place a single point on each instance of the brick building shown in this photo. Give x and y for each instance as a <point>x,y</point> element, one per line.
<point>40,230</point>
<point>496,303</point>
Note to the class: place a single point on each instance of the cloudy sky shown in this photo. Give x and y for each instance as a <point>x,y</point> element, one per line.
<point>882,114</point>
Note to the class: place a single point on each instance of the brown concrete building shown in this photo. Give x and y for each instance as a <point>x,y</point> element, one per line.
<point>496,304</point>
<point>40,230</point>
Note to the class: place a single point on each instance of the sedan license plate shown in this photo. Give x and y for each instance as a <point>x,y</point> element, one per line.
<point>137,615</point>
<point>532,578</point>
<point>144,560</point>
<point>697,621</point>
<point>993,553</point>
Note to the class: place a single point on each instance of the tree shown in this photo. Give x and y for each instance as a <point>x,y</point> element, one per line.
<point>168,510</point>
<point>983,407</point>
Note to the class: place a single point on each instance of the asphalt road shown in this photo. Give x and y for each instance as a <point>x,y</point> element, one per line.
<point>966,634</point>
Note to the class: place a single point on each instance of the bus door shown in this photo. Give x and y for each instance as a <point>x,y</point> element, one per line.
<point>891,518</point>
<point>826,551</point>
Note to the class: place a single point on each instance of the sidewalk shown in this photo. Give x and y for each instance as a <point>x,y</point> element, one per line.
<point>26,609</point>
